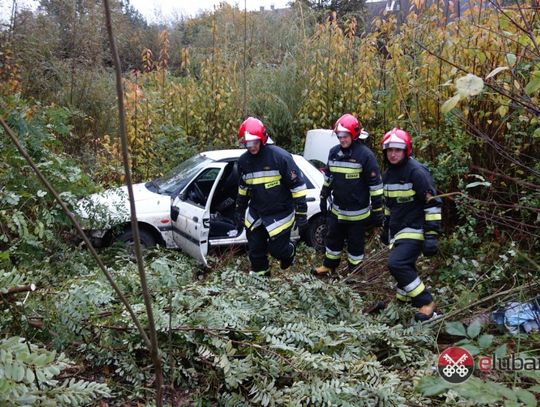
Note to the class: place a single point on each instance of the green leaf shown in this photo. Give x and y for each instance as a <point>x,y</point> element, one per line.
<point>536,133</point>
<point>450,103</point>
<point>485,341</point>
<point>501,390</point>
<point>476,390</point>
<point>432,386</point>
<point>511,59</point>
<point>456,328</point>
<point>473,349</point>
<point>534,83</point>
<point>535,388</point>
<point>474,329</point>
<point>526,396</point>
<point>469,85</point>
<point>500,352</point>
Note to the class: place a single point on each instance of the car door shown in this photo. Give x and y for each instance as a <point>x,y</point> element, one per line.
<point>191,212</point>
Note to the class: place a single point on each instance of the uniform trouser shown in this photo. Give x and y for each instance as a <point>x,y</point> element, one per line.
<point>260,243</point>
<point>402,265</point>
<point>336,234</point>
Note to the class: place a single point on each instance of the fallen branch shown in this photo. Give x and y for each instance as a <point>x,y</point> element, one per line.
<point>483,300</point>
<point>497,174</point>
<point>11,135</point>
<point>19,289</point>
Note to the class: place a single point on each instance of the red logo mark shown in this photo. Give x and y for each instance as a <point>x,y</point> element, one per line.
<point>455,365</point>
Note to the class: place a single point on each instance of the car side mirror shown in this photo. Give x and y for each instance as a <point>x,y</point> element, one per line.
<point>175,211</point>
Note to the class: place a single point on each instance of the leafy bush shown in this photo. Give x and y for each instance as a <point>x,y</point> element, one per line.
<point>31,222</point>
<point>27,377</point>
<point>244,340</point>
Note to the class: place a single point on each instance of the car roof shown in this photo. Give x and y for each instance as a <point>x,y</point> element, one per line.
<point>219,155</point>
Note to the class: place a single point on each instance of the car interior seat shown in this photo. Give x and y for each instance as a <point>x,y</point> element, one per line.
<point>222,213</point>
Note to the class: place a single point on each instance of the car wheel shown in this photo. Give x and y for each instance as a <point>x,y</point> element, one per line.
<point>146,239</point>
<point>316,233</point>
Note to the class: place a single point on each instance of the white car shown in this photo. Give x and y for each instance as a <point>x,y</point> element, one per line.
<point>191,208</point>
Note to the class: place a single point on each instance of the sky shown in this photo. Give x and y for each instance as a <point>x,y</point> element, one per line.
<point>161,10</point>
<point>154,10</point>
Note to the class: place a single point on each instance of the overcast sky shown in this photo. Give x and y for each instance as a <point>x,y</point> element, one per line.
<point>153,10</point>
<point>160,10</point>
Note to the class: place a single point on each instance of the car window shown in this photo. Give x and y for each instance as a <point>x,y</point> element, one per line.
<point>173,182</point>
<point>209,175</point>
<point>199,190</point>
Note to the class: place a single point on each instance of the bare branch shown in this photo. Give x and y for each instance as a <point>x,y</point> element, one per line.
<point>154,349</point>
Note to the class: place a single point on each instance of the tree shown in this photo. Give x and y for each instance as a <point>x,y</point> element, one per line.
<point>345,9</point>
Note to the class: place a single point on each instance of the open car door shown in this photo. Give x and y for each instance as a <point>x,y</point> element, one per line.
<point>190,212</point>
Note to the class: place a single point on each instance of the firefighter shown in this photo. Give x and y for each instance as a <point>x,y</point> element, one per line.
<point>353,185</point>
<point>412,220</point>
<point>271,198</point>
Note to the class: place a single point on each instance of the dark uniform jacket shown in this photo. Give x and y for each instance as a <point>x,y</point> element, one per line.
<point>275,188</point>
<point>353,180</point>
<point>410,211</point>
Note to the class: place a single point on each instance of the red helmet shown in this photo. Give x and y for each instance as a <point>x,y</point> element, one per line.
<point>348,124</point>
<point>252,129</point>
<point>397,138</point>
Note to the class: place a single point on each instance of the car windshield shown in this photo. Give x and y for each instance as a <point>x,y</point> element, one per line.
<point>173,182</point>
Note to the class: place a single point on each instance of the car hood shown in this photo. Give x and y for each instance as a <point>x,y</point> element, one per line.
<point>111,207</point>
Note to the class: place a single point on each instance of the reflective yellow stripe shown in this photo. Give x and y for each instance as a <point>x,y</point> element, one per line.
<point>417,291</point>
<point>242,191</point>
<point>262,180</point>
<point>376,210</point>
<point>350,217</point>
<point>299,194</point>
<point>402,297</point>
<point>410,235</point>
<point>377,192</point>
<point>332,257</point>
<point>399,194</point>
<point>433,216</point>
<point>387,211</point>
<point>343,170</point>
<point>355,262</point>
<point>281,228</point>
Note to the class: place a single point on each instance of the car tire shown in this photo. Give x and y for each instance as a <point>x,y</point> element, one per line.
<point>316,234</point>
<point>146,239</point>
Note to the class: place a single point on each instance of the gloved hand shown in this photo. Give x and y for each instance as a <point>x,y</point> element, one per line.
<point>385,236</point>
<point>301,222</point>
<point>376,218</point>
<point>431,244</point>
<point>239,221</point>
<point>323,204</point>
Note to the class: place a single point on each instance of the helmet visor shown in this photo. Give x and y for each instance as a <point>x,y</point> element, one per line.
<point>401,146</point>
<point>251,143</point>
<point>341,134</point>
